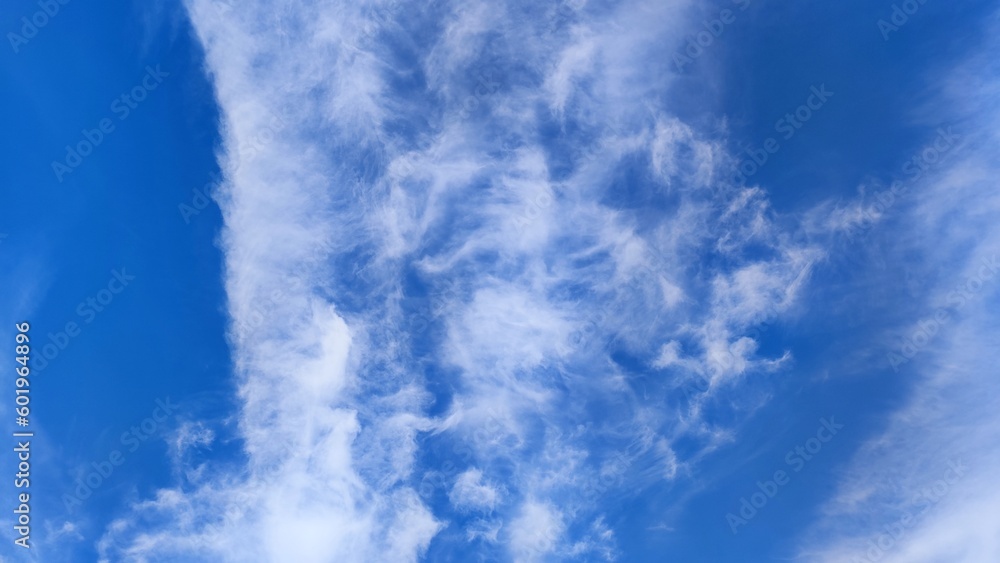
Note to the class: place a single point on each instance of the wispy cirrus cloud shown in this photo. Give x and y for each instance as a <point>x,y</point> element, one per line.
<point>918,489</point>
<point>565,200</point>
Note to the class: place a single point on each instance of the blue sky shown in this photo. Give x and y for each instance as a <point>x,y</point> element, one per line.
<point>324,281</point>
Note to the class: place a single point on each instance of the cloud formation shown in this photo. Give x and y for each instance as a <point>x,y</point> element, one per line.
<point>918,490</point>
<point>471,280</point>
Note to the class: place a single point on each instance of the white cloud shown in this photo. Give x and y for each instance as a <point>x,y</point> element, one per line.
<point>901,498</point>
<point>538,259</point>
<point>471,493</point>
